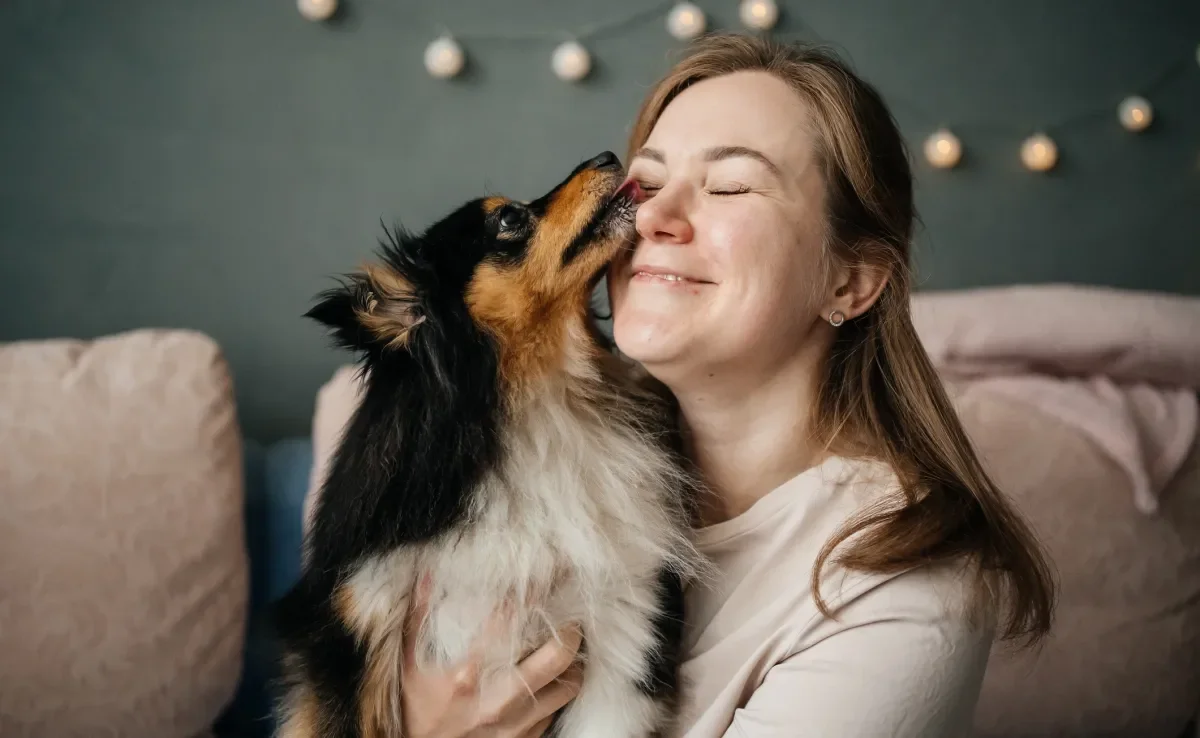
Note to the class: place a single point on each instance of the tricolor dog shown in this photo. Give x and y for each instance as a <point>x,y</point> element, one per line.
<point>502,452</point>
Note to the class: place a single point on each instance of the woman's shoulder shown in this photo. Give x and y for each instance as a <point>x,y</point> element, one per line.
<point>936,592</point>
<point>864,481</point>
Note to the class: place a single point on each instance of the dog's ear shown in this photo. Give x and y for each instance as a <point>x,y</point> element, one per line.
<point>377,308</point>
<point>391,309</point>
<point>335,310</point>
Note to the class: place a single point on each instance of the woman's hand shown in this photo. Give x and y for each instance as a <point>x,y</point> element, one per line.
<point>447,704</point>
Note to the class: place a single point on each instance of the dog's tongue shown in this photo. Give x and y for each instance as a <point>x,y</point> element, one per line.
<point>629,189</point>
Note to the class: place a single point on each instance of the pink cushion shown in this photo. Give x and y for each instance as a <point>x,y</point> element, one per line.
<point>1124,657</point>
<point>123,570</point>
<point>336,402</point>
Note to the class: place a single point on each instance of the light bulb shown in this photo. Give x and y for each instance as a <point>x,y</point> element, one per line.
<point>571,61</point>
<point>759,14</point>
<point>685,21</point>
<point>316,10</point>
<point>444,58</point>
<point>1135,113</point>
<point>943,149</point>
<point>1039,153</point>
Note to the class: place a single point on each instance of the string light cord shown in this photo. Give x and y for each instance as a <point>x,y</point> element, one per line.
<point>571,61</point>
<point>1038,151</point>
<point>603,30</point>
<point>589,32</point>
<point>1171,73</point>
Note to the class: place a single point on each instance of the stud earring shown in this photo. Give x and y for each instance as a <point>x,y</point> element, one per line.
<point>836,318</point>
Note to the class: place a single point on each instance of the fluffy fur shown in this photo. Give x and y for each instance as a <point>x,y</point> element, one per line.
<point>501,450</point>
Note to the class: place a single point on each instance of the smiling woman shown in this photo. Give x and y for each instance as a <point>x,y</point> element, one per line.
<point>742,233</point>
<point>866,560</point>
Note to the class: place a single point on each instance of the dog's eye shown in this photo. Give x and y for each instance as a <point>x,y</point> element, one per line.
<point>511,218</point>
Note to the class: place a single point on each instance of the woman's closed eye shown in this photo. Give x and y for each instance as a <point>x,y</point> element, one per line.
<point>652,188</point>
<point>729,189</point>
<point>649,188</point>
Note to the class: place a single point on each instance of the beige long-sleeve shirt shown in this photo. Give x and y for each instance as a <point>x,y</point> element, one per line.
<point>900,659</point>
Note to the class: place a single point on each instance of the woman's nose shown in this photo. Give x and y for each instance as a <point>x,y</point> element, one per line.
<point>661,219</point>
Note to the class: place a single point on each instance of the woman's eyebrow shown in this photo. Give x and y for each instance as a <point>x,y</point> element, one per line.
<point>716,153</point>
<point>652,154</point>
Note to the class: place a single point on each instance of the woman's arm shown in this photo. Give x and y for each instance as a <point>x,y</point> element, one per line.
<point>900,661</point>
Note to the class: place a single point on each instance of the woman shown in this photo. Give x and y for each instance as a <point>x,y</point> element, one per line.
<point>866,560</point>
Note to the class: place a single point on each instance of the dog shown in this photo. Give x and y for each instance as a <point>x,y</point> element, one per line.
<point>501,451</point>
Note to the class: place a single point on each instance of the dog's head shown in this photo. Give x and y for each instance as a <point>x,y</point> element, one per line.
<point>516,275</point>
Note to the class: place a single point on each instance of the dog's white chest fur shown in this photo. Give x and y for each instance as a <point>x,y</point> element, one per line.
<point>574,525</point>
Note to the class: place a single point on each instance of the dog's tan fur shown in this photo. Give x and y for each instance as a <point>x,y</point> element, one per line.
<point>530,307</point>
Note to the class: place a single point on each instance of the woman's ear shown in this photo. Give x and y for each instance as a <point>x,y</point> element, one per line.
<point>855,289</point>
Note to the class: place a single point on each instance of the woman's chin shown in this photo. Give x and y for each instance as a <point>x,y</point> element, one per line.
<point>647,342</point>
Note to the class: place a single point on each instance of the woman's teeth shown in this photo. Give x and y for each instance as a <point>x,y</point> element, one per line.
<point>664,277</point>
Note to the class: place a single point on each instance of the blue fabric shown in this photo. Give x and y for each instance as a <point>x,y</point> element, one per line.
<point>276,484</point>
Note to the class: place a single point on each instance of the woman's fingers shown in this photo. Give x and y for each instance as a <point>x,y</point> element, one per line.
<point>515,698</point>
<point>558,693</point>
<point>550,660</point>
<point>538,730</point>
<point>552,698</point>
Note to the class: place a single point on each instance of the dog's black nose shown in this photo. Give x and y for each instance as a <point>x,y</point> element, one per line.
<point>607,160</point>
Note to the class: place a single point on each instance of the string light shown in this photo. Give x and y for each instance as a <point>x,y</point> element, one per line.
<point>686,21</point>
<point>943,149</point>
<point>759,14</point>
<point>1039,153</point>
<point>571,62</point>
<point>1135,113</point>
<point>444,58</point>
<point>317,10</point>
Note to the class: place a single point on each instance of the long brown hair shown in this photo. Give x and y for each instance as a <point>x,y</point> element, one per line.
<point>881,397</point>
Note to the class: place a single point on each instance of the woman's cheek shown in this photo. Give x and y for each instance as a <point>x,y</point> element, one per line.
<point>733,234</point>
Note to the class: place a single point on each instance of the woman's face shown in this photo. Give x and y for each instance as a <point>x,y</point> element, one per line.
<point>726,270</point>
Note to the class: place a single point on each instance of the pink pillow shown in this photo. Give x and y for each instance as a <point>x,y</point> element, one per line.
<point>336,401</point>
<point>1122,658</point>
<point>123,564</point>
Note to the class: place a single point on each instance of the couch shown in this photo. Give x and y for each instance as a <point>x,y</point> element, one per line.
<point>215,521</point>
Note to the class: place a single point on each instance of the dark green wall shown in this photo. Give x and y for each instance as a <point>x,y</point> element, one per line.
<point>210,164</point>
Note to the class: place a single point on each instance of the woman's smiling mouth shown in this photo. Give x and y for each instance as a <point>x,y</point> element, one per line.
<point>664,276</point>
